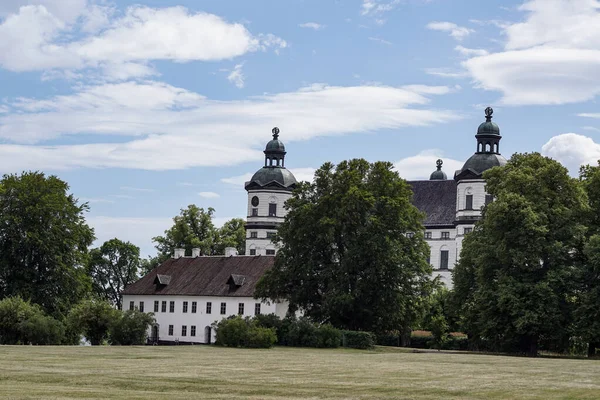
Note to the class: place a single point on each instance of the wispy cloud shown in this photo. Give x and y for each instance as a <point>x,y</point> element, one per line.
<point>135,189</point>
<point>377,7</point>
<point>379,40</point>
<point>237,76</point>
<point>471,52</point>
<point>312,25</point>
<point>457,32</point>
<point>209,195</point>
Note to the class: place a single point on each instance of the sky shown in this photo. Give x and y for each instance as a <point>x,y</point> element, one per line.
<point>146,107</point>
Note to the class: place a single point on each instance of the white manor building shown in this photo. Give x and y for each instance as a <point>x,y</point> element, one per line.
<point>188,293</point>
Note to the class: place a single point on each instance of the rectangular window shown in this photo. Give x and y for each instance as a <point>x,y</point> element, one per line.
<point>194,307</point>
<point>257,309</point>
<point>272,210</point>
<point>170,330</point>
<point>241,309</point>
<point>255,212</point>
<point>427,235</point>
<point>131,305</point>
<point>270,235</point>
<point>444,259</point>
<point>252,252</point>
<point>183,330</point>
<point>488,199</point>
<point>163,307</point>
<point>141,306</point>
<point>445,235</point>
<point>270,252</point>
<point>469,205</point>
<point>156,305</point>
<point>172,306</point>
<point>223,308</point>
<point>208,307</point>
<point>185,306</point>
<point>253,235</point>
<point>468,230</point>
<point>193,330</point>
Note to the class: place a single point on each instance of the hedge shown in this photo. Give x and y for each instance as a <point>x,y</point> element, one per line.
<point>358,340</point>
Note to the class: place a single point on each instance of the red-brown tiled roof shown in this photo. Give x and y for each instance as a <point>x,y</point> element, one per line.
<point>204,276</point>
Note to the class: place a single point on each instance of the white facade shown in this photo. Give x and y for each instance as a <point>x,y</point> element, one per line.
<point>265,213</point>
<point>182,324</point>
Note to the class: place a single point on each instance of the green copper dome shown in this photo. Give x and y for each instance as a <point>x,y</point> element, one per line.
<point>438,175</point>
<point>488,128</point>
<point>481,162</point>
<point>275,145</point>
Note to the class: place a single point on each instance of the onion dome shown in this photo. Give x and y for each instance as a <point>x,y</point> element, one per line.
<point>273,175</point>
<point>438,175</point>
<point>488,150</point>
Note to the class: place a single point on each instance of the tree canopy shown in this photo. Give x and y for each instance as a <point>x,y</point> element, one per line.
<point>43,242</point>
<point>514,280</point>
<point>353,250</point>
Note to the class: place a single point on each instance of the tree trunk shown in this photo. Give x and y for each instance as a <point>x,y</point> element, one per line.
<point>592,349</point>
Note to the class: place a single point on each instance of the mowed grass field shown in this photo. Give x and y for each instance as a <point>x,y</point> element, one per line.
<point>207,372</point>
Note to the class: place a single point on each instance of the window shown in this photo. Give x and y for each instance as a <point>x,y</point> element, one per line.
<point>427,235</point>
<point>468,230</point>
<point>223,308</point>
<point>163,306</point>
<point>241,309</point>
<point>445,235</point>
<point>255,201</point>
<point>488,199</point>
<point>193,330</point>
<point>252,252</point>
<point>208,307</point>
<point>253,235</point>
<point>194,307</point>
<point>156,305</point>
<point>270,235</point>
<point>183,330</point>
<point>255,212</point>
<point>257,309</point>
<point>469,203</point>
<point>185,306</point>
<point>429,260</point>
<point>170,330</point>
<point>131,305</point>
<point>444,259</point>
<point>172,306</point>
<point>270,252</point>
<point>141,306</point>
<point>272,210</point>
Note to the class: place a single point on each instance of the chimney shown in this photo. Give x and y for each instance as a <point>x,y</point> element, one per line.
<point>196,252</point>
<point>179,253</point>
<point>230,251</point>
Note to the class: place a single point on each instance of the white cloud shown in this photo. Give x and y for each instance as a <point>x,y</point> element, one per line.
<point>457,32</point>
<point>377,7</point>
<point>471,52</point>
<point>446,73</point>
<point>591,128</point>
<point>237,76</point>
<point>34,38</point>
<point>209,195</point>
<point>423,164</point>
<point>552,57</point>
<point>166,128</point>
<point>238,180</point>
<point>312,25</point>
<point>135,189</point>
<point>383,41</point>
<point>572,150</point>
<point>65,10</point>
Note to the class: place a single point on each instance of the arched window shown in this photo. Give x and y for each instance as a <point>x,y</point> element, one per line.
<point>444,257</point>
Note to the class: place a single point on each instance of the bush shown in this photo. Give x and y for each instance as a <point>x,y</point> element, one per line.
<point>390,338</point>
<point>231,332</point>
<point>328,336</point>
<point>42,329</point>
<point>93,319</point>
<point>358,339</point>
<point>260,337</point>
<point>131,328</point>
<point>24,323</point>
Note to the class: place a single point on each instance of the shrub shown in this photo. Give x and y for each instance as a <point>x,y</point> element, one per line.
<point>328,336</point>
<point>93,319</point>
<point>42,329</point>
<point>390,338</point>
<point>231,332</point>
<point>358,339</point>
<point>421,339</point>
<point>302,333</point>
<point>131,328</point>
<point>260,337</point>
<point>24,323</point>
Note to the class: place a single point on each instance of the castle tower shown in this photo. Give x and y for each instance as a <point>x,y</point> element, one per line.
<point>268,189</point>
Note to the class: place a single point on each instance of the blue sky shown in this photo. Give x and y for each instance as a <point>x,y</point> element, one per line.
<point>146,107</point>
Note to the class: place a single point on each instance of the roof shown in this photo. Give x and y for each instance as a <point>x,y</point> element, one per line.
<point>273,178</point>
<point>204,276</point>
<point>437,199</point>
<point>478,163</point>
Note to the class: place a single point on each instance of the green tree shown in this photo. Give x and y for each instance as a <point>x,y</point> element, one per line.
<point>353,252</point>
<point>514,280</point>
<point>232,234</point>
<point>93,319</point>
<point>43,242</point>
<point>192,228</point>
<point>112,267</point>
<point>24,323</point>
<point>131,328</point>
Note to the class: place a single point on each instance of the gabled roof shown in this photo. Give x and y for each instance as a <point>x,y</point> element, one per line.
<point>162,279</point>
<point>236,280</point>
<point>204,276</point>
<point>437,199</point>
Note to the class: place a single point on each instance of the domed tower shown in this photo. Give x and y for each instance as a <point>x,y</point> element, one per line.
<point>438,175</point>
<point>268,189</point>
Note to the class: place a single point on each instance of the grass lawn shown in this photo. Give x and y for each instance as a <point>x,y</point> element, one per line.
<point>206,372</point>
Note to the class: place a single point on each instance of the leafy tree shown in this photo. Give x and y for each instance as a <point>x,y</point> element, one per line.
<point>148,264</point>
<point>112,267</point>
<point>353,251</point>
<point>514,278</point>
<point>93,318</point>
<point>192,228</point>
<point>232,234</point>
<point>24,323</point>
<point>131,328</point>
<point>43,242</point>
